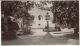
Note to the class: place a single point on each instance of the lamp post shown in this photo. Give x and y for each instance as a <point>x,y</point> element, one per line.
<point>47,17</point>
<point>28,31</point>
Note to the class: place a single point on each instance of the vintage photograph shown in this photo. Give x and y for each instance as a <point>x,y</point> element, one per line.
<point>40,22</point>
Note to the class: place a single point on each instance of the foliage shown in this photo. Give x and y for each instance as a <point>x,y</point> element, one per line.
<point>9,8</point>
<point>66,12</point>
<point>17,9</point>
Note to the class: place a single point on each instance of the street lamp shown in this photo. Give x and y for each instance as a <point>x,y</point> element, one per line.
<point>47,17</point>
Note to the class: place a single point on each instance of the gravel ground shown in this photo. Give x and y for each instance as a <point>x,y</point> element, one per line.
<point>42,38</point>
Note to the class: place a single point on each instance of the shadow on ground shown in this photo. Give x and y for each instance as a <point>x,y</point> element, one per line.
<point>46,39</point>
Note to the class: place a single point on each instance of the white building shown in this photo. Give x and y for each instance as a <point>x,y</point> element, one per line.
<point>36,12</point>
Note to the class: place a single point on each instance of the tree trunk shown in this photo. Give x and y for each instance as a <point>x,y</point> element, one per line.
<point>76,31</point>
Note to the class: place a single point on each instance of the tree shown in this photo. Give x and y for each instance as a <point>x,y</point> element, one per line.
<point>66,13</point>
<point>23,13</point>
<point>17,9</point>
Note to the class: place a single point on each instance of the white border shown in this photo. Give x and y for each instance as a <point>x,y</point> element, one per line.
<point>37,45</point>
<point>79,22</point>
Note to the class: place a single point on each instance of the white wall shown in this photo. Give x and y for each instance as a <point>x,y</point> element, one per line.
<point>36,12</point>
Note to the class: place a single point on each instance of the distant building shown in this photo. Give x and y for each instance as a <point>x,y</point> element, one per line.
<point>40,17</point>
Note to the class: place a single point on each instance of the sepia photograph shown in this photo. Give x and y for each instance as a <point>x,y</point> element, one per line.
<point>40,22</point>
